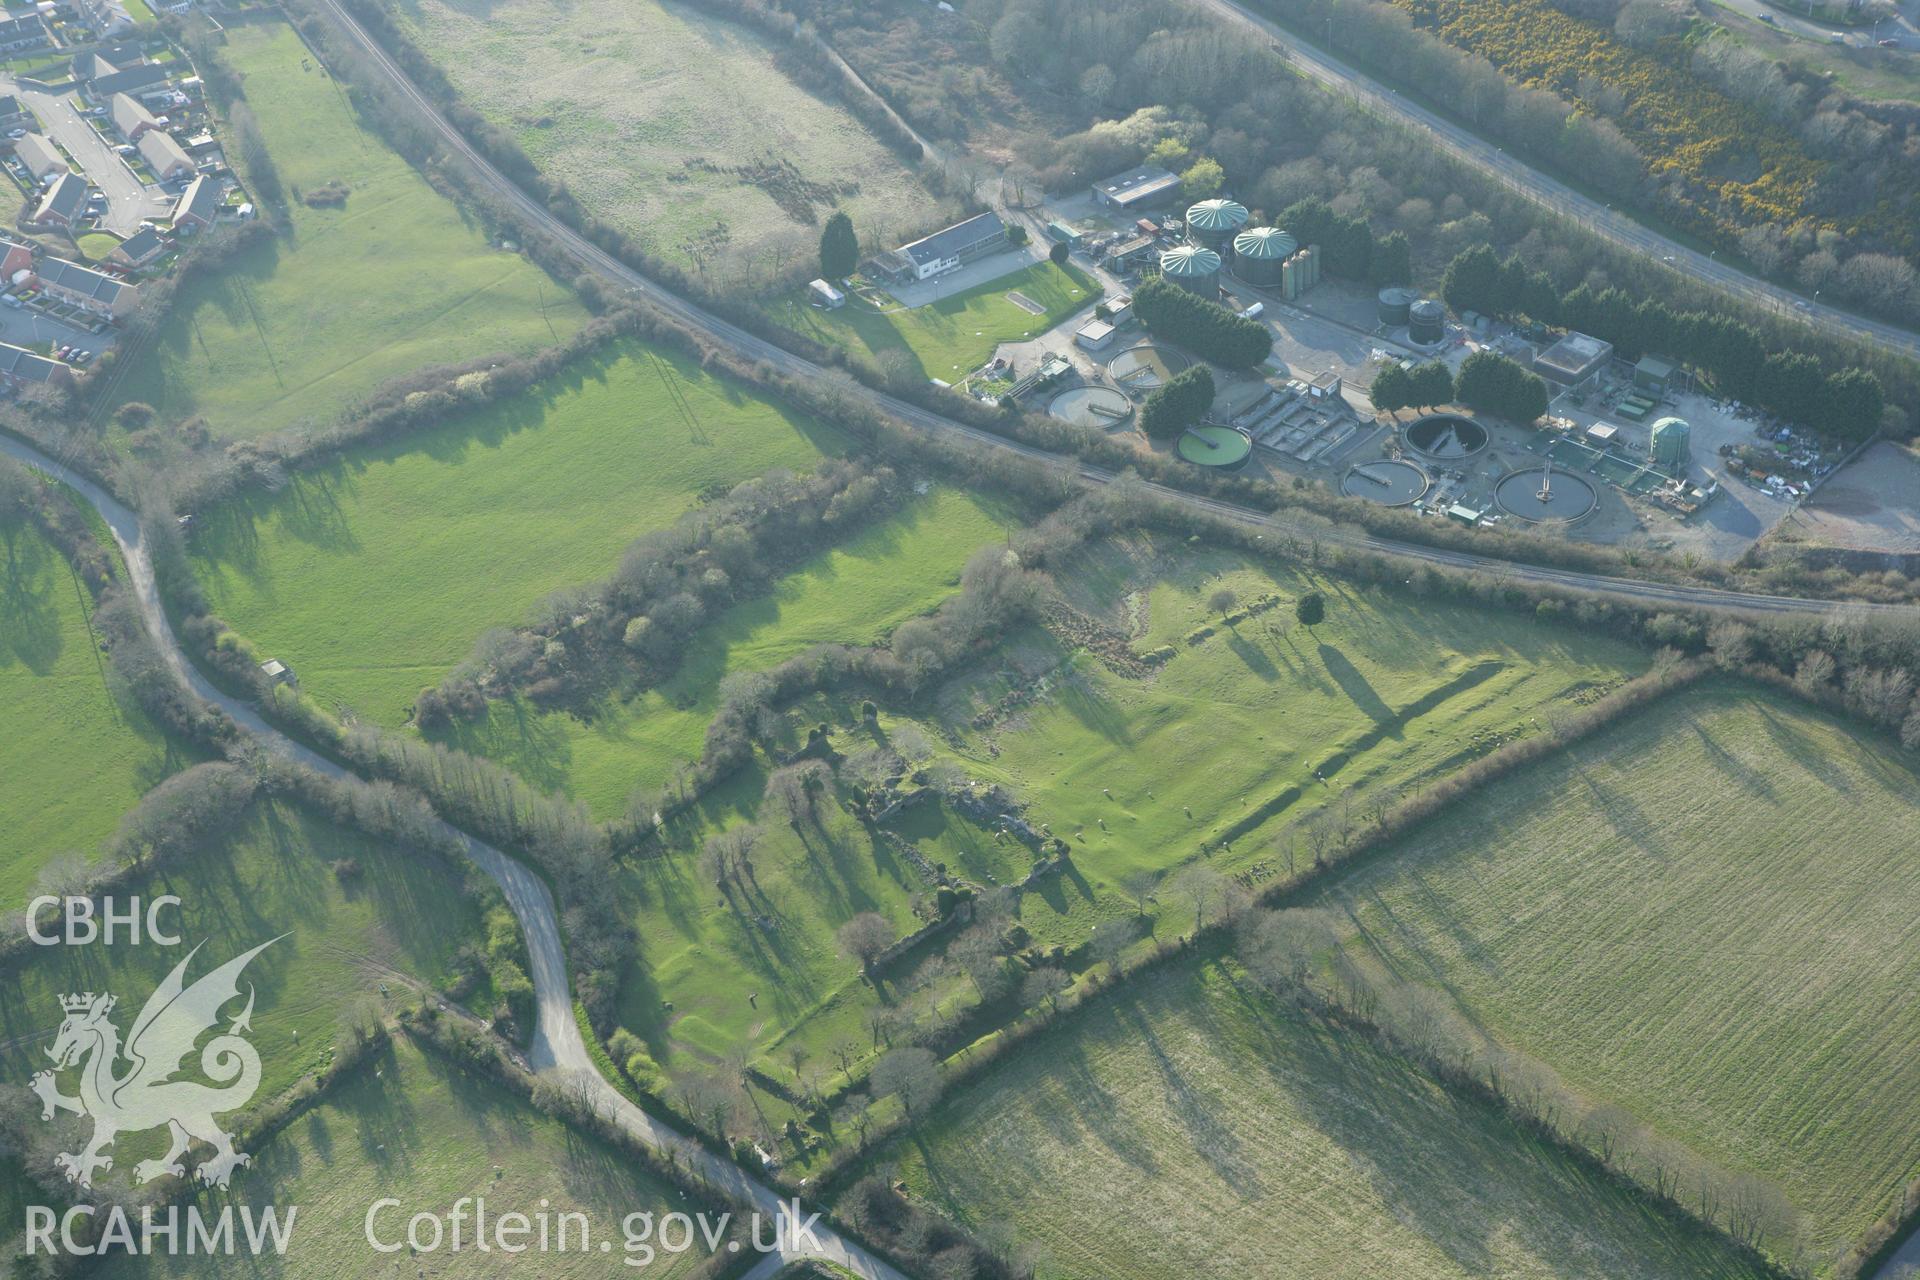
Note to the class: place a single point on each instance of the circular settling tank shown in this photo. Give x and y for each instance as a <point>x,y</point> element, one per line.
<point>1447,436</point>
<point>1390,482</point>
<point>1545,498</point>
<point>1145,368</point>
<point>1216,446</point>
<point>1091,407</point>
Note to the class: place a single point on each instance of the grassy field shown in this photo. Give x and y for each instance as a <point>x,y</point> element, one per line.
<point>403,916</point>
<point>374,576</point>
<point>1258,723</point>
<point>426,1135</point>
<point>956,335</point>
<point>1227,733</point>
<point>296,330</point>
<point>1191,1117</point>
<point>1705,916</point>
<point>852,594</point>
<point>673,125</point>
<point>72,758</point>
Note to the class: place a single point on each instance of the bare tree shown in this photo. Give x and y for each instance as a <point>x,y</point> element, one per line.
<point>865,937</point>
<point>1111,938</point>
<point>911,1075</point>
<point>1045,983</point>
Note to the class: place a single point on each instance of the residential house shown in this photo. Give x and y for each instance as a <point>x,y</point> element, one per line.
<point>106,17</point>
<point>14,258</point>
<point>139,80</point>
<point>20,367</point>
<point>197,205</point>
<point>131,117</point>
<point>167,158</point>
<point>945,250</point>
<point>25,31</point>
<point>83,287</point>
<point>12,114</point>
<point>63,202</point>
<point>42,158</point>
<point>137,250</point>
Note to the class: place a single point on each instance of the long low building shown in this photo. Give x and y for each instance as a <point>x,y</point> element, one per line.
<point>83,287</point>
<point>944,250</point>
<point>1140,188</point>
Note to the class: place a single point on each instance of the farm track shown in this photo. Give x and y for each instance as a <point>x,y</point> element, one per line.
<point>1376,98</point>
<point>557,1042</point>
<point>759,349</point>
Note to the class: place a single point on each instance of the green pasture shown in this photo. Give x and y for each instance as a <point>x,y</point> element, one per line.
<point>294,331</point>
<point>1704,916</point>
<point>674,125</point>
<point>1190,1116</point>
<point>852,594</point>
<point>953,336</point>
<point>73,757</point>
<point>374,575</point>
<point>418,1131</point>
<point>400,919</point>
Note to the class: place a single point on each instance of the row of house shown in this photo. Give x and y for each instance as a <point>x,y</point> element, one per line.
<point>94,292</point>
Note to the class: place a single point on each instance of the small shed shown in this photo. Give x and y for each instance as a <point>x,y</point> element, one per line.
<point>1094,334</point>
<point>1464,514</point>
<point>1653,374</point>
<point>279,673</point>
<point>825,296</point>
<point>1603,435</point>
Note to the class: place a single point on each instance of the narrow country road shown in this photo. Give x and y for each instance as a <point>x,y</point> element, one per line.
<point>1517,176</point>
<point>728,334</point>
<point>557,1043</point>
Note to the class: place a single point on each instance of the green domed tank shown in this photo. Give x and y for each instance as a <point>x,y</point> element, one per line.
<point>1194,269</point>
<point>1260,253</point>
<point>1212,224</point>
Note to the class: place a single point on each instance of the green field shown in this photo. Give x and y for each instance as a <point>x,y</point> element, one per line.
<point>294,331</point>
<point>72,758</point>
<point>1230,730</point>
<point>402,917</point>
<point>427,1136</point>
<point>673,125</point>
<point>1191,1117</point>
<point>373,577</point>
<point>852,594</point>
<point>1706,917</point>
<point>953,336</point>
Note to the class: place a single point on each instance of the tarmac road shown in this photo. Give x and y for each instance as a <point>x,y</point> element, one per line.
<point>759,349</point>
<point>1550,193</point>
<point>128,199</point>
<point>557,1043</point>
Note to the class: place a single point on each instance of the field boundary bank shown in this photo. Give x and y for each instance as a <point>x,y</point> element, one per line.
<point>797,371</point>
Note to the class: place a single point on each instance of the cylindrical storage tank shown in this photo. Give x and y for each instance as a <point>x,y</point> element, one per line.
<point>1290,278</point>
<point>1426,322</point>
<point>1259,253</point>
<point>1313,264</point>
<point>1672,442</point>
<point>1193,268</point>
<point>1396,306</point>
<point>1212,224</point>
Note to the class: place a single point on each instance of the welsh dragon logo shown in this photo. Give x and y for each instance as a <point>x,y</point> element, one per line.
<point>143,1095</point>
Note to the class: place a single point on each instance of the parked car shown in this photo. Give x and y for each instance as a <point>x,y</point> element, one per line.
<point>1769,19</point>
<point>1836,38</point>
<point>1888,43</point>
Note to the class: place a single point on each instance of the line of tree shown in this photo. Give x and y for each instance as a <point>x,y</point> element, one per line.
<point>1206,328</point>
<point>1422,386</point>
<point>1180,403</point>
<point>1845,402</point>
<point>1489,382</point>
